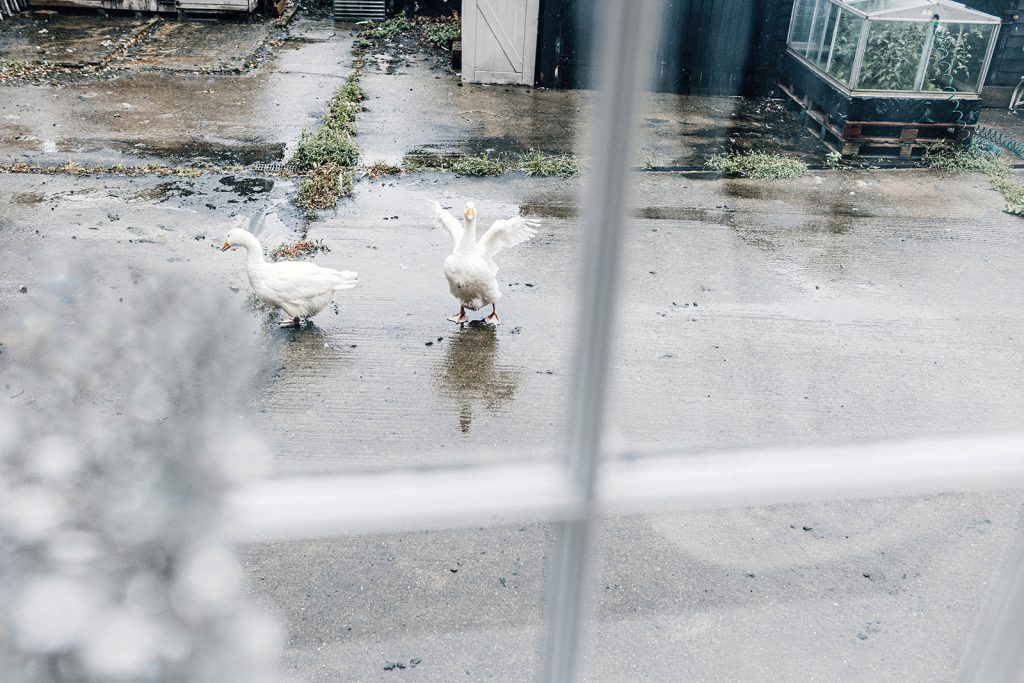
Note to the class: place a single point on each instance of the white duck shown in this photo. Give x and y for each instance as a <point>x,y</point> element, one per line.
<point>470,268</point>
<point>300,289</point>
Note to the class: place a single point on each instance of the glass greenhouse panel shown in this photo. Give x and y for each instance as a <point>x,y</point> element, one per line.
<point>844,48</point>
<point>893,55</point>
<point>873,6</point>
<point>821,33</point>
<point>911,45</point>
<point>800,28</point>
<point>958,57</point>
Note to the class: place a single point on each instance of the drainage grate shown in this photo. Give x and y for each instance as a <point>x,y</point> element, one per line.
<point>273,168</point>
<point>358,10</point>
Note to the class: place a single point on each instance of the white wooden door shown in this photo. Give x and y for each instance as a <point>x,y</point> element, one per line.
<point>499,40</point>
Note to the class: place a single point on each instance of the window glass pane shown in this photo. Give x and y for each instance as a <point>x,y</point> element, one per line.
<point>844,49</point>
<point>883,5</point>
<point>892,56</point>
<point>803,16</point>
<point>957,57</point>
<point>821,34</point>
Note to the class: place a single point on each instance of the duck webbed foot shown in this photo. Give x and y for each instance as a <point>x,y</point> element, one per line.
<point>459,317</point>
<point>290,322</point>
<point>493,318</point>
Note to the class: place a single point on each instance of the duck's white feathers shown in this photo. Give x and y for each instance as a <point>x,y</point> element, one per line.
<point>300,289</point>
<point>506,233</point>
<point>470,269</point>
<point>449,223</point>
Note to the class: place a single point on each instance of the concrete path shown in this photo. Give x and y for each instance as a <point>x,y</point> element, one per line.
<point>839,307</point>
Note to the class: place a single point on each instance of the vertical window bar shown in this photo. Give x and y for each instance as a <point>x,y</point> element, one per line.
<point>624,56</point>
<point>922,65</point>
<point>832,45</point>
<point>996,654</point>
<point>858,56</point>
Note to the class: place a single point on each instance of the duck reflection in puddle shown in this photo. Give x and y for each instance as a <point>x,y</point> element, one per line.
<point>471,375</point>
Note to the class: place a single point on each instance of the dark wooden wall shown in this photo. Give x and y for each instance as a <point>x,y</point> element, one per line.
<point>722,47</point>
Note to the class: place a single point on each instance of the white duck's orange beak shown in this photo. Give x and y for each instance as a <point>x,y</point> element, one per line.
<point>470,213</point>
<point>225,246</point>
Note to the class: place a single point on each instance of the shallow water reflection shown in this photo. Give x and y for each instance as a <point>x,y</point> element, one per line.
<point>471,375</point>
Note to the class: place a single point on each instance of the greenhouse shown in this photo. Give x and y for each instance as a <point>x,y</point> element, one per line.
<point>905,46</point>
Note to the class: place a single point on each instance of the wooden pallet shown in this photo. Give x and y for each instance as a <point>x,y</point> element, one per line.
<point>875,138</point>
<point>8,8</point>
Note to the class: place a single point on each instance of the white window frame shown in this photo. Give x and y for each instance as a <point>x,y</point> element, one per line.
<point>594,480</point>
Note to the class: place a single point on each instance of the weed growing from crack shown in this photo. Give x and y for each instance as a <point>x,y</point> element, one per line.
<point>387,29</point>
<point>71,168</point>
<point>483,165</point>
<point>961,160</point>
<point>297,250</point>
<point>535,163</point>
<point>380,168</point>
<point>442,31</point>
<point>323,185</point>
<point>332,143</point>
<point>762,165</point>
<point>329,155</point>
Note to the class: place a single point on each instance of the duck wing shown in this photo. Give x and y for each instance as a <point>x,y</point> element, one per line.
<point>507,233</point>
<point>299,280</point>
<point>450,223</point>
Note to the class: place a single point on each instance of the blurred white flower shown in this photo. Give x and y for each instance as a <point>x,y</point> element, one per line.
<point>115,452</point>
<point>54,613</point>
<point>30,512</point>
<point>56,458</point>
<point>120,643</point>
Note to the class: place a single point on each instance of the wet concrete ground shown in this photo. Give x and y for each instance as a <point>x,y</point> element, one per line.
<point>842,306</point>
<point>462,118</point>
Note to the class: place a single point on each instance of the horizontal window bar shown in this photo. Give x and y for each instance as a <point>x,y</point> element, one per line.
<point>291,508</point>
<point>495,495</point>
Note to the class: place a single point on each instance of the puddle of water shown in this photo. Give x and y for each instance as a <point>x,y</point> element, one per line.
<point>549,210</point>
<point>201,151</point>
<point>471,375</point>
<point>683,213</point>
<point>247,187</point>
<point>164,191</point>
<point>27,198</point>
<point>743,190</point>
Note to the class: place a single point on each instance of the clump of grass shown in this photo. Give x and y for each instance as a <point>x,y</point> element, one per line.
<point>380,168</point>
<point>328,156</point>
<point>387,29</point>
<point>483,165</point>
<point>966,160</point>
<point>443,31</point>
<point>833,159</point>
<point>297,250</point>
<point>323,185</point>
<point>327,145</point>
<point>332,143</point>
<point>762,165</point>
<point>535,163</point>
<point>961,160</point>
<point>1013,193</point>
